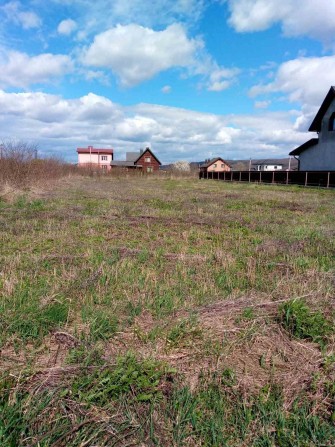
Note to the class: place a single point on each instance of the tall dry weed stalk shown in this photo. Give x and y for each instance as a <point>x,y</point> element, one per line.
<point>20,166</point>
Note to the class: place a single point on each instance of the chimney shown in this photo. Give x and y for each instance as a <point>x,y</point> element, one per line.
<point>141,151</point>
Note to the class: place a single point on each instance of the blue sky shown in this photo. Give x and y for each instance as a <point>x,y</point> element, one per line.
<point>192,79</point>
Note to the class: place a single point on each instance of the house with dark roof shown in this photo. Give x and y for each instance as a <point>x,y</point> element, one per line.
<point>215,165</point>
<point>318,154</point>
<point>144,160</point>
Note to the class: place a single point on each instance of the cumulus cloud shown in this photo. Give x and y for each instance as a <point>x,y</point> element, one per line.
<point>16,14</point>
<point>174,133</point>
<point>66,27</point>
<point>304,80</point>
<point>308,18</point>
<point>21,70</point>
<point>222,78</point>
<point>136,54</point>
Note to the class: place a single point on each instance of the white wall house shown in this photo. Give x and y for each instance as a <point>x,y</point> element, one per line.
<point>269,167</point>
<point>95,157</point>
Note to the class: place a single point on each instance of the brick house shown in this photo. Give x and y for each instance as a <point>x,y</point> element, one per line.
<point>144,160</point>
<point>94,157</point>
<point>215,165</point>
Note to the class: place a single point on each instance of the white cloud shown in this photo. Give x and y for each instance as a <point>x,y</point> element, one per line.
<point>221,78</point>
<point>15,14</point>
<point>313,18</point>
<point>166,89</point>
<point>63,124</point>
<point>304,80</point>
<point>66,27</point>
<point>136,54</point>
<point>262,104</point>
<point>20,70</point>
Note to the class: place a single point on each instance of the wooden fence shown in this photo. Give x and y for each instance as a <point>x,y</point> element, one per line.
<point>325,179</point>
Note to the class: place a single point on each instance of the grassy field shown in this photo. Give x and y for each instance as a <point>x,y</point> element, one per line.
<point>167,312</point>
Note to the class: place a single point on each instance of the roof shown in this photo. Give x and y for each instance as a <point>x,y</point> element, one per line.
<point>123,163</point>
<point>316,124</point>
<point>305,146</point>
<point>213,160</point>
<point>142,153</point>
<point>93,150</point>
<point>132,156</point>
<point>267,161</point>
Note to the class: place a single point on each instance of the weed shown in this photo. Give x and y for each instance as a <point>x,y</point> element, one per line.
<point>298,319</point>
<point>137,379</point>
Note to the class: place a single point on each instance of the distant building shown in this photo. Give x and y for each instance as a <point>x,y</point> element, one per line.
<point>94,157</point>
<point>144,160</point>
<point>267,165</point>
<point>318,154</point>
<point>215,165</point>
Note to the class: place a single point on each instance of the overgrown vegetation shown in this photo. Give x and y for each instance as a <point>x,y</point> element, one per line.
<point>166,312</point>
<point>20,166</point>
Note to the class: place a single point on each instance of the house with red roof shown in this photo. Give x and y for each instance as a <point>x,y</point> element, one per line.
<point>95,157</point>
<point>217,164</point>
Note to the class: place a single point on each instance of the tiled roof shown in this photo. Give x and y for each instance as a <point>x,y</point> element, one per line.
<point>93,150</point>
<point>213,160</point>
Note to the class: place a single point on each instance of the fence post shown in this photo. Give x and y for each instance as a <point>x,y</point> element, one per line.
<point>328,178</point>
<point>249,176</point>
<point>224,176</point>
<point>240,175</point>
<point>231,176</point>
<point>286,177</point>
<point>306,177</point>
<point>260,176</point>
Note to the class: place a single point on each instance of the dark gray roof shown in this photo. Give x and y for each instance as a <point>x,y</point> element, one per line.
<point>305,146</point>
<point>122,163</point>
<point>132,156</point>
<point>267,161</point>
<point>316,124</point>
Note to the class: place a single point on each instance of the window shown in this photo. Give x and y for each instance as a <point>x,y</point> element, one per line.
<point>147,159</point>
<point>104,157</point>
<point>149,169</point>
<point>331,125</point>
<point>275,167</point>
<point>215,165</point>
<point>104,167</point>
<point>222,165</point>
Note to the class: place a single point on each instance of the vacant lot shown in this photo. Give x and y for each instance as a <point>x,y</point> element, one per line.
<point>167,312</point>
